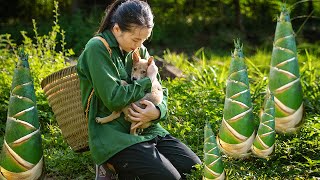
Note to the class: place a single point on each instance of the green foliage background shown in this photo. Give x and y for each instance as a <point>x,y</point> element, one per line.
<point>193,100</point>
<point>180,25</point>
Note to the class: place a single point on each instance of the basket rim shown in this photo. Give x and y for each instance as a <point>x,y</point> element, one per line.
<point>58,74</point>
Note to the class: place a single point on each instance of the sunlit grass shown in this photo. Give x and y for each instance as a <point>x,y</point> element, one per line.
<point>200,97</point>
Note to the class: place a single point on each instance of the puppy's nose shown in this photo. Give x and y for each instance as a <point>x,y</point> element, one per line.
<point>134,78</point>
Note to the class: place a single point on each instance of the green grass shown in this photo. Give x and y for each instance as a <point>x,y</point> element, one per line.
<point>199,97</point>
<point>193,100</point>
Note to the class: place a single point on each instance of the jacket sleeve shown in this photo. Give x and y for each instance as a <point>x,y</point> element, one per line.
<point>105,78</point>
<point>163,105</point>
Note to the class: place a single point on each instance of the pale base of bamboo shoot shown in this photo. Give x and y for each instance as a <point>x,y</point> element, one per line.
<point>262,153</point>
<point>221,176</point>
<point>31,174</point>
<point>240,150</point>
<point>290,123</point>
<point>2,177</point>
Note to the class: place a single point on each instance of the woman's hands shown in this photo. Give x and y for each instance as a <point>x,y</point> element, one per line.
<point>152,71</point>
<point>141,116</point>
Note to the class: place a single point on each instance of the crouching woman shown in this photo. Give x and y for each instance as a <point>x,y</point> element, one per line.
<point>154,154</point>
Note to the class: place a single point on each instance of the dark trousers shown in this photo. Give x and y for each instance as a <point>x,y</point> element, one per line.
<point>162,158</point>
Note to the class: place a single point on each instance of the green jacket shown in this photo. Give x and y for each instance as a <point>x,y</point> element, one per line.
<point>97,70</point>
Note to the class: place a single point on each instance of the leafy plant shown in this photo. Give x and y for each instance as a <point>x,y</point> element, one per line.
<point>61,161</point>
<point>47,54</point>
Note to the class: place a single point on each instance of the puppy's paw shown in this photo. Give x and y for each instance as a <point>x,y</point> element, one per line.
<point>124,82</point>
<point>99,120</point>
<point>134,132</point>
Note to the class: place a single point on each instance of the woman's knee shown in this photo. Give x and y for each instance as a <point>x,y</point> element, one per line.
<point>164,171</point>
<point>194,160</point>
<point>172,175</point>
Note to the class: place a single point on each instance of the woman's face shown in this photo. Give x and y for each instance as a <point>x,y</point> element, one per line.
<point>131,40</point>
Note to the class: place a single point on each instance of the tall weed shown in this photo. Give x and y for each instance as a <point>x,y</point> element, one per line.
<point>310,77</point>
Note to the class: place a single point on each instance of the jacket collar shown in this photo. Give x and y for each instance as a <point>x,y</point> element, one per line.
<point>107,34</point>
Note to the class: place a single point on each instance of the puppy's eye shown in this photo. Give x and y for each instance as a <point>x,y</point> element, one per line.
<point>143,72</point>
<point>134,69</point>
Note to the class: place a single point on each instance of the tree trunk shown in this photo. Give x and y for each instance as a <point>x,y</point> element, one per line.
<point>310,7</point>
<point>238,18</point>
<point>75,5</point>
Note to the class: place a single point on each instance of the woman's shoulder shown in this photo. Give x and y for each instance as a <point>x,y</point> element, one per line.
<point>94,42</point>
<point>94,48</point>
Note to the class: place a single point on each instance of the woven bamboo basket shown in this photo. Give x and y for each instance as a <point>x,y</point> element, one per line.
<point>62,89</point>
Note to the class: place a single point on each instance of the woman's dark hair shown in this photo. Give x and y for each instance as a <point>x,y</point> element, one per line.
<point>127,13</point>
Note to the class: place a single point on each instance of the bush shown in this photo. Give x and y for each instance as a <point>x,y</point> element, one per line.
<point>44,59</point>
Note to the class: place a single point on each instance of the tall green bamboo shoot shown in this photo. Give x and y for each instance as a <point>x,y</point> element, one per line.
<point>236,133</point>
<point>263,144</point>
<point>284,81</point>
<point>22,155</point>
<point>213,165</point>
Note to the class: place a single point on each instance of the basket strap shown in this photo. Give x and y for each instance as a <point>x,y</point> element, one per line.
<point>88,104</point>
<point>92,91</point>
<point>105,43</point>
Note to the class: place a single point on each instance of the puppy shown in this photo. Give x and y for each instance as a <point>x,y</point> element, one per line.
<point>139,71</point>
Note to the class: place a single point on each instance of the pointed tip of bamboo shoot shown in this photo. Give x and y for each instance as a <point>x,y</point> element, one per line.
<point>23,58</point>
<point>285,14</point>
<point>238,48</point>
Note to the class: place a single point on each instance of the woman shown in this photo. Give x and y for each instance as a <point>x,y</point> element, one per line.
<point>153,154</point>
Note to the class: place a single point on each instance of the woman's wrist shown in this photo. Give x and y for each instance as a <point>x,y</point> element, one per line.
<point>154,114</point>
<point>158,113</point>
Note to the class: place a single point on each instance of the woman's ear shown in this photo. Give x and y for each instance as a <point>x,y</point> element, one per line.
<point>116,29</point>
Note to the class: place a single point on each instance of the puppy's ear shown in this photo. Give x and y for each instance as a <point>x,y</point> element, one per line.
<point>150,60</point>
<point>135,56</point>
